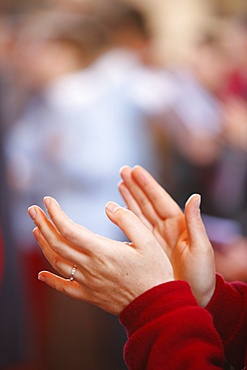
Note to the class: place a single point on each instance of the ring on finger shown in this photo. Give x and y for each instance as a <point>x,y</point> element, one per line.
<point>72,274</point>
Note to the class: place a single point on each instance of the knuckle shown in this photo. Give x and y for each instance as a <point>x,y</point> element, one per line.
<point>54,246</point>
<point>56,263</point>
<point>67,232</point>
<point>65,289</point>
<point>123,214</point>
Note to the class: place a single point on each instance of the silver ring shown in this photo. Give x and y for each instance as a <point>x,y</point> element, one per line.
<point>72,274</point>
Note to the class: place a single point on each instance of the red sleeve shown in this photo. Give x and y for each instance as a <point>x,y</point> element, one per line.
<point>228,307</point>
<point>167,330</point>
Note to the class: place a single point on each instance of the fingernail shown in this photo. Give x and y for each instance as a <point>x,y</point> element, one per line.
<point>36,233</point>
<point>47,201</point>
<point>41,277</point>
<point>123,167</point>
<point>197,200</point>
<point>112,206</point>
<point>32,212</point>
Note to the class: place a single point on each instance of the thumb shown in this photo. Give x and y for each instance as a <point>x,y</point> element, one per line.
<point>195,227</point>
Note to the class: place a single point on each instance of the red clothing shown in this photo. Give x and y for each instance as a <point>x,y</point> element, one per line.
<point>168,330</point>
<point>229,310</point>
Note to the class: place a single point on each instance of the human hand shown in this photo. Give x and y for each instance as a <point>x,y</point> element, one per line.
<point>182,236</point>
<point>109,274</point>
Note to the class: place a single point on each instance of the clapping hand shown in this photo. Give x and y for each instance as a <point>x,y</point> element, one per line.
<point>107,273</point>
<point>181,235</point>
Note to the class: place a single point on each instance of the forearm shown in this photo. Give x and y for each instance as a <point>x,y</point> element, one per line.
<point>167,329</point>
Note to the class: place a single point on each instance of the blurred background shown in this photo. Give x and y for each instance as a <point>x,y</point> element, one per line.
<point>87,86</point>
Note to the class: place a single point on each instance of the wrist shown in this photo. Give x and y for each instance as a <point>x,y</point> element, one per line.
<point>204,299</point>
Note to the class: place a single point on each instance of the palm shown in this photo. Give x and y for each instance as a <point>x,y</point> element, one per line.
<point>192,258</point>
<point>171,233</point>
<point>154,207</point>
<point>168,232</point>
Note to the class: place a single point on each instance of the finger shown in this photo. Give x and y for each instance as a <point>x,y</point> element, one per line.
<point>74,234</point>
<point>195,227</point>
<point>70,288</point>
<point>132,204</point>
<point>161,201</point>
<point>42,221</point>
<point>128,198</point>
<point>52,237</point>
<point>78,291</point>
<point>129,223</point>
<point>62,266</point>
<point>143,202</point>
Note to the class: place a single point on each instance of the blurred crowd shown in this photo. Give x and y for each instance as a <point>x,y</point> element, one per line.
<point>83,93</point>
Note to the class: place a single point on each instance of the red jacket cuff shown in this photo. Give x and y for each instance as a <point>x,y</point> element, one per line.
<point>156,302</point>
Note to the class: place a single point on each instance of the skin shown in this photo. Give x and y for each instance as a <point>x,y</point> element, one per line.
<point>181,235</point>
<point>165,244</point>
<point>109,274</point>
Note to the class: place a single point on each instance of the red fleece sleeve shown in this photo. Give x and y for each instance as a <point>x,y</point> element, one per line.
<point>168,330</point>
<point>228,307</point>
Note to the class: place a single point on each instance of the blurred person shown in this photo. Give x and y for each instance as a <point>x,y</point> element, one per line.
<point>79,126</point>
<point>61,111</point>
<point>46,56</point>
<point>71,83</point>
<point>206,133</point>
<point>128,61</point>
<point>49,47</point>
<point>231,176</point>
<point>231,181</point>
<point>197,146</point>
<point>194,124</point>
<point>234,35</point>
